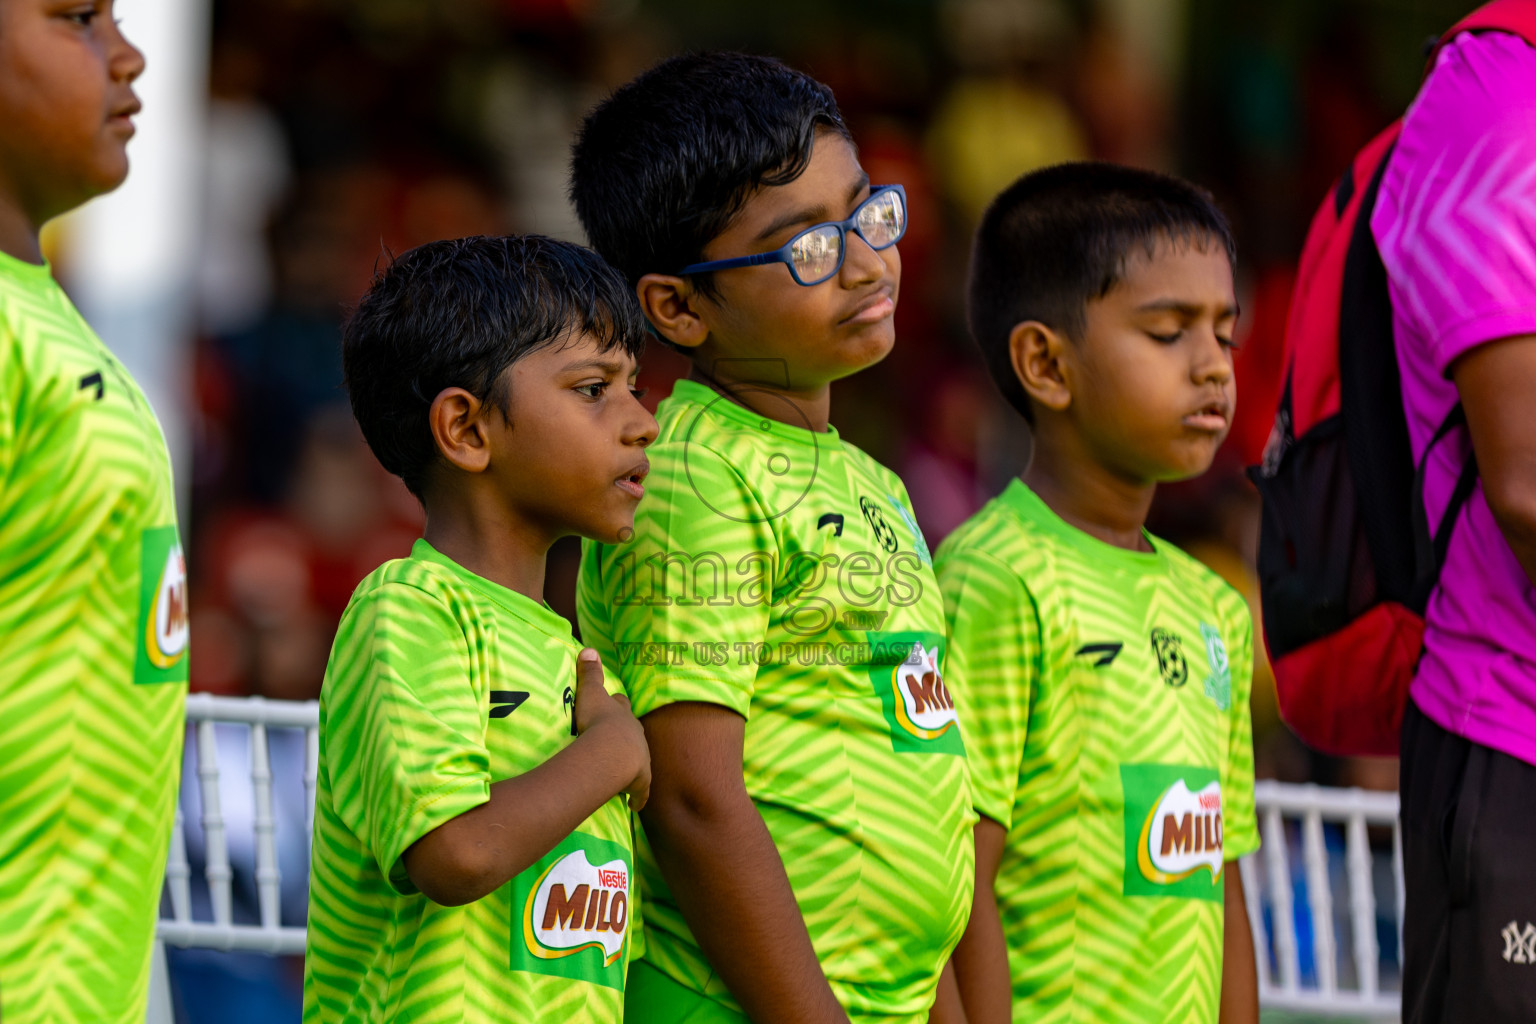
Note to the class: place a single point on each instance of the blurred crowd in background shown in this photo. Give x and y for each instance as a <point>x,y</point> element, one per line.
<point>342,131</point>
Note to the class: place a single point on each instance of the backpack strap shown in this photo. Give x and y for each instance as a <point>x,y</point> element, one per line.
<point>1430,549</point>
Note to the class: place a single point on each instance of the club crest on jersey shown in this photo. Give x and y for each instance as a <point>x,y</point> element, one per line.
<point>163,628</point>
<point>1169,648</point>
<point>1218,685</point>
<point>881,527</point>
<point>1173,831</point>
<point>919,542</point>
<point>574,910</point>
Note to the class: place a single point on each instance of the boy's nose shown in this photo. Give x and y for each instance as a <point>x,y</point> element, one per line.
<point>862,263</point>
<point>1213,361</point>
<point>127,61</point>
<point>641,430</point>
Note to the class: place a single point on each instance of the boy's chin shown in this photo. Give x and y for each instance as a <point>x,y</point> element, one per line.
<point>1194,465</point>
<point>859,360</point>
<point>616,532</point>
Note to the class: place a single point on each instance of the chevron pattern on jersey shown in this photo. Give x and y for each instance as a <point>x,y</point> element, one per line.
<point>425,652</point>
<point>1086,680</point>
<point>775,571</point>
<point>90,738</point>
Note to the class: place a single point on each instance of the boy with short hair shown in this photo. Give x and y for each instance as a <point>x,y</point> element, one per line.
<point>806,853</point>
<point>472,853</point>
<point>93,623</point>
<point>1104,674</point>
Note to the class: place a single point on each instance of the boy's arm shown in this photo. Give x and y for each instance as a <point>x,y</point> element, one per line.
<point>981,958</point>
<point>474,854</point>
<point>740,908</point>
<point>1239,976</point>
<point>947,1008</point>
<point>994,655</point>
<point>1496,381</point>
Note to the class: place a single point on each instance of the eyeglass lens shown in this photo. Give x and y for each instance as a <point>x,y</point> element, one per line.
<point>881,220</point>
<point>818,253</point>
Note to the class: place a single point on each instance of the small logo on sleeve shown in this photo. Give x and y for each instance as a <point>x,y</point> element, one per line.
<point>163,625</point>
<point>574,909</point>
<point>1173,831</point>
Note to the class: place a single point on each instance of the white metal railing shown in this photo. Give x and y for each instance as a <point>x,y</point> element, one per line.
<point>204,712</point>
<point>1299,968</point>
<point>1270,884</point>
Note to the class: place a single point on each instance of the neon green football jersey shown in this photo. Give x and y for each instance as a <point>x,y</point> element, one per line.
<point>441,682</point>
<point>1106,698</point>
<point>93,637</point>
<point>779,572</point>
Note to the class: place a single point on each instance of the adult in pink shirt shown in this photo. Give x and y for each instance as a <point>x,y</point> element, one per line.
<point>1455,221</point>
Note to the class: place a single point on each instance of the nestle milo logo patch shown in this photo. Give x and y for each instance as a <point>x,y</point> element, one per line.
<point>161,642</point>
<point>926,710</point>
<point>1173,831</point>
<point>909,680</point>
<point>574,910</point>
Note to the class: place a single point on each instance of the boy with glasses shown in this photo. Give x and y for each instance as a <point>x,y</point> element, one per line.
<point>805,855</point>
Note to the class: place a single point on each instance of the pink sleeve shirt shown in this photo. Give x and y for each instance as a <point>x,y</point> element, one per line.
<point>1456,225</point>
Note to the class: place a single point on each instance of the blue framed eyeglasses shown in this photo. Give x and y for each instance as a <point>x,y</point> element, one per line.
<point>816,254</point>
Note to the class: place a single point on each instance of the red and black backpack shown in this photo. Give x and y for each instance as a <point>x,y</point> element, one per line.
<point>1347,556</point>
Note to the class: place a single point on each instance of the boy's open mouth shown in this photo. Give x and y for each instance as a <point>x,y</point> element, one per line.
<point>123,113</point>
<point>632,482</point>
<point>1212,416</point>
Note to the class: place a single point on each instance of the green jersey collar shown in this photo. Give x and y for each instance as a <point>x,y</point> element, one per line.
<point>1027,505</point>
<point>536,613</point>
<point>691,391</point>
<point>32,274</point>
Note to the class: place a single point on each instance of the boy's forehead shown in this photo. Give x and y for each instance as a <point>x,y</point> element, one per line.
<point>831,181</point>
<point>1195,270</point>
<point>579,350</point>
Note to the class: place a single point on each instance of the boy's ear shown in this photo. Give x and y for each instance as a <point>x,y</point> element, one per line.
<point>457,419</point>
<point>1036,352</point>
<point>670,304</point>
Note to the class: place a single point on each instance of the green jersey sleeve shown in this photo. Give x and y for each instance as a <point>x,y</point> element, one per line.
<point>699,571</point>
<point>1238,820</point>
<point>994,660</point>
<point>404,727</point>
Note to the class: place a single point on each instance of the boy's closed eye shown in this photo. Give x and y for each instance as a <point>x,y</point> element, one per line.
<point>83,14</point>
<point>595,389</point>
<point>1225,340</point>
